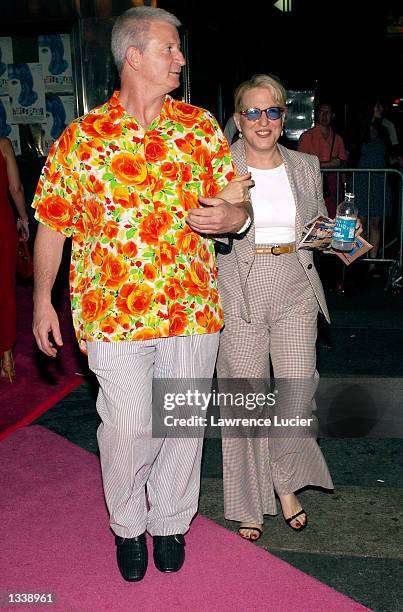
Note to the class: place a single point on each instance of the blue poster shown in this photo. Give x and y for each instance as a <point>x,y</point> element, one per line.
<point>55,57</point>
<point>60,112</point>
<point>5,117</point>
<point>7,129</point>
<point>6,57</point>
<point>27,94</point>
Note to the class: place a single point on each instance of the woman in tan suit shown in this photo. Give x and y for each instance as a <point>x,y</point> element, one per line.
<point>271,296</point>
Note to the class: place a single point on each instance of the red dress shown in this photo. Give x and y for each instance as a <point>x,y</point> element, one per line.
<point>8,262</point>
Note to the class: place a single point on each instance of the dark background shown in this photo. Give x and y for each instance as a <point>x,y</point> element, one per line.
<point>340,48</point>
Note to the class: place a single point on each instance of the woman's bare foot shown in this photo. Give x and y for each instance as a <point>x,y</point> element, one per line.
<point>292,508</point>
<point>250,531</point>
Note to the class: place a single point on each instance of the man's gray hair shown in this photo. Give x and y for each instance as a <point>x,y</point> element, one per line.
<point>131,30</point>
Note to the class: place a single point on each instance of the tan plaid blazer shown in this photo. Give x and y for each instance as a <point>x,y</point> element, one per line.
<point>303,173</point>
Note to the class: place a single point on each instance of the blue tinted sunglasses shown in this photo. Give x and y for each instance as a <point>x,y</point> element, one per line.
<point>273,113</point>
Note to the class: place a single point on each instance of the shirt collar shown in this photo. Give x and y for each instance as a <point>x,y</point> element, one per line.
<point>117,110</point>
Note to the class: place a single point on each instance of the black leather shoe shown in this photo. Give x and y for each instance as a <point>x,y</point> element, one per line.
<point>169,552</point>
<point>132,557</point>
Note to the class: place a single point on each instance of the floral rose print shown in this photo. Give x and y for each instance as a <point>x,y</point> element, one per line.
<point>122,193</point>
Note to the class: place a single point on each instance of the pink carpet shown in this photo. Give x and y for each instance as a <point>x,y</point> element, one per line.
<point>40,381</point>
<point>56,539</point>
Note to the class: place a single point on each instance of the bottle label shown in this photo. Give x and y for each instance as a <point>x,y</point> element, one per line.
<point>344,229</point>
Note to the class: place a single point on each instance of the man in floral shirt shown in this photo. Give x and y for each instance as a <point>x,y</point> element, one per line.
<point>126,182</point>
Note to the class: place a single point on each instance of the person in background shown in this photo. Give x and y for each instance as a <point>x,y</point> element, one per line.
<point>322,141</point>
<point>271,295</point>
<point>134,183</point>
<point>372,190</point>
<point>10,183</point>
<point>379,113</point>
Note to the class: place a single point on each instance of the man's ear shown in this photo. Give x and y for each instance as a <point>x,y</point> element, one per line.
<point>133,57</point>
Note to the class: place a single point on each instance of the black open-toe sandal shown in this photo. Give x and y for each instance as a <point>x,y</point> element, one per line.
<point>258,531</point>
<point>292,518</point>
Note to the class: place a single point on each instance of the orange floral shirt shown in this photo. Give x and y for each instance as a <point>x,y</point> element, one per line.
<point>122,193</point>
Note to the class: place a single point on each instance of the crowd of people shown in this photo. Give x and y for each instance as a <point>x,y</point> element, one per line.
<point>148,190</point>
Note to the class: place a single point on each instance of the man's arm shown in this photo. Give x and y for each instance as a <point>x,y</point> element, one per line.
<point>235,193</point>
<point>47,257</point>
<point>335,162</point>
<point>219,216</point>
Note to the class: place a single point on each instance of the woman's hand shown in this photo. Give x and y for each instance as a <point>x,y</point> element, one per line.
<point>237,191</point>
<point>23,228</point>
<point>358,227</point>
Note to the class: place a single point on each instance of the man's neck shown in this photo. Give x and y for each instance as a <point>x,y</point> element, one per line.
<point>141,104</point>
<point>325,129</point>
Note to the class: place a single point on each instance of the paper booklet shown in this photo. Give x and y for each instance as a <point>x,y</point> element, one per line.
<point>318,234</point>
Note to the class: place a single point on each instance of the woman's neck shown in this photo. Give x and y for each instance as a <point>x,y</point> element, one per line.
<point>263,160</point>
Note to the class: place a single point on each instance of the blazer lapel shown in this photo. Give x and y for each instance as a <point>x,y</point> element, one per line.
<point>292,163</point>
<point>239,157</point>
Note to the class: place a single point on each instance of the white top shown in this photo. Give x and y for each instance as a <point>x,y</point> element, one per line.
<point>273,206</point>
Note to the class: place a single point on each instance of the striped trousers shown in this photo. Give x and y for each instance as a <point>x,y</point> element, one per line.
<point>149,483</point>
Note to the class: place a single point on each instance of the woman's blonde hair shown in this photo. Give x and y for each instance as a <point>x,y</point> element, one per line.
<point>266,81</point>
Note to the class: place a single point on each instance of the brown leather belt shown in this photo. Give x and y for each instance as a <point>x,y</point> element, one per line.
<point>275,249</point>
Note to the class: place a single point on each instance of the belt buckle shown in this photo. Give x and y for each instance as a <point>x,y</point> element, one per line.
<point>275,246</point>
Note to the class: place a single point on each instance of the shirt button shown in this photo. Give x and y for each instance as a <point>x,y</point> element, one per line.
<point>309,266</point>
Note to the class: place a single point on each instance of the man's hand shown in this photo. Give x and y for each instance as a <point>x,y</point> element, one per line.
<point>45,321</point>
<point>217,217</point>
<point>237,191</point>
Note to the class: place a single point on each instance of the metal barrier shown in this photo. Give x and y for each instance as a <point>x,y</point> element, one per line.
<point>382,188</point>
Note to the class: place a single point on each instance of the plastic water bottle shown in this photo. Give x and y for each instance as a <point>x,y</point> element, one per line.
<point>346,220</point>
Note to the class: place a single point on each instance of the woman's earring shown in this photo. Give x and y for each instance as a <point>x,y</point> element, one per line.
<point>282,132</point>
<point>240,134</point>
